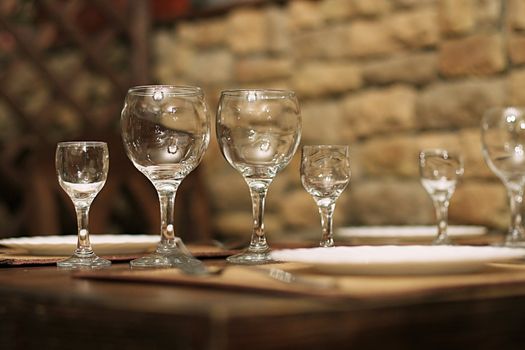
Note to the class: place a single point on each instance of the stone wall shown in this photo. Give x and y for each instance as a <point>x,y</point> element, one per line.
<point>387,77</point>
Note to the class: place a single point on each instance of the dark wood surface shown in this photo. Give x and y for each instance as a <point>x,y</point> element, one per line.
<point>42,307</point>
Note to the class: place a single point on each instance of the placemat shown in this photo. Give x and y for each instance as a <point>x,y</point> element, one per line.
<point>14,258</point>
<point>496,277</point>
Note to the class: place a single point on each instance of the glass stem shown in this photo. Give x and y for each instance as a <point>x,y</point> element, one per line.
<point>258,191</point>
<point>327,212</point>
<point>83,243</point>
<point>167,195</point>
<point>516,202</point>
<point>442,221</point>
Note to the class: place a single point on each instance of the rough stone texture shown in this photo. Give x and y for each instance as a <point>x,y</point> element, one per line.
<point>387,77</point>
<point>371,38</point>
<point>516,45</point>
<point>247,31</point>
<point>379,111</point>
<point>258,68</point>
<point>319,118</point>
<point>470,146</point>
<point>457,104</point>
<point>416,28</point>
<point>337,10</point>
<point>389,202</point>
<point>319,78</point>
<point>516,14</point>
<point>305,15</point>
<point>516,87</point>
<point>418,68</point>
<point>474,55</point>
<point>488,14</point>
<point>328,42</point>
<point>370,7</point>
<point>204,33</point>
<point>480,203</point>
<point>457,16</point>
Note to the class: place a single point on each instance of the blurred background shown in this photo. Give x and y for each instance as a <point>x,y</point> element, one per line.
<point>387,77</point>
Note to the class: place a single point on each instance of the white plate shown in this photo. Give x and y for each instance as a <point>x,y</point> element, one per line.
<point>390,259</point>
<point>65,245</point>
<point>408,232</point>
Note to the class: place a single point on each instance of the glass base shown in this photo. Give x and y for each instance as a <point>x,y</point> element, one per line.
<point>442,241</point>
<point>251,258</point>
<point>84,262</point>
<point>164,256</point>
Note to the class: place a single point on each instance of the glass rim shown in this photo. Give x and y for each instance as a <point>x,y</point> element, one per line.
<point>81,143</point>
<point>272,92</point>
<point>326,146</point>
<point>170,90</point>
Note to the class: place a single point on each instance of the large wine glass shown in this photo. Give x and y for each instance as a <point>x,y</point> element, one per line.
<point>166,130</point>
<point>258,132</point>
<point>82,169</point>
<point>503,141</point>
<point>325,173</point>
<point>440,171</point>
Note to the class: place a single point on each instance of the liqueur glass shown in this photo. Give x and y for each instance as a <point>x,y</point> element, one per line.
<point>503,146</point>
<point>325,173</point>
<point>82,169</point>
<point>165,130</point>
<point>258,133</point>
<point>440,171</point>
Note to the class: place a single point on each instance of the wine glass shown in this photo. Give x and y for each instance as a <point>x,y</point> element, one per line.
<point>82,169</point>
<point>165,130</point>
<point>258,132</point>
<point>440,171</point>
<point>325,173</point>
<point>503,146</point>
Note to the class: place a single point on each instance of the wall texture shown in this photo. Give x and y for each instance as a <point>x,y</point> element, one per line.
<point>387,77</point>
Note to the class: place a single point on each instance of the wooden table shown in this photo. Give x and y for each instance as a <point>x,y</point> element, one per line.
<point>42,307</point>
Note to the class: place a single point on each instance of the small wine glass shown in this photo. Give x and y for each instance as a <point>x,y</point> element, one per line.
<point>503,146</point>
<point>325,173</point>
<point>82,169</point>
<point>165,130</point>
<point>440,171</point>
<point>258,133</point>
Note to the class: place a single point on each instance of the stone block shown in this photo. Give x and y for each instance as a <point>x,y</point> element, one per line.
<point>247,31</point>
<point>488,14</point>
<point>305,14</point>
<point>418,68</point>
<point>323,123</point>
<point>480,203</point>
<point>371,38</point>
<point>457,16</point>
<point>323,78</point>
<point>475,165</point>
<point>388,156</point>
<point>474,55</point>
<point>516,87</point>
<point>458,104</point>
<point>391,202</point>
<point>380,110</point>
<point>279,33</point>
<point>516,14</point>
<point>370,7</point>
<point>416,28</point>
<point>327,42</point>
<point>516,46</point>
<point>337,10</point>
<point>261,68</point>
<point>298,210</point>
<point>211,67</point>
<point>204,33</point>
